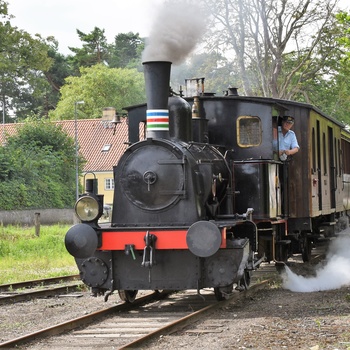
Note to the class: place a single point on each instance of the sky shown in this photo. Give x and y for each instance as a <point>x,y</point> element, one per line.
<point>61,18</point>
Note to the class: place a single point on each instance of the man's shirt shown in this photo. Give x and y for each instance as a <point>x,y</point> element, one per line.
<point>287,141</point>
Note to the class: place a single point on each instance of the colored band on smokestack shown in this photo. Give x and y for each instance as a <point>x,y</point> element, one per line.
<point>157,120</point>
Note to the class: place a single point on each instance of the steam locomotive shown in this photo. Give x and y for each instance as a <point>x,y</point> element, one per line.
<point>204,198</point>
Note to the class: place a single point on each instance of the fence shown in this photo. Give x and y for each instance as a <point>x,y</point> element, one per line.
<point>37,217</point>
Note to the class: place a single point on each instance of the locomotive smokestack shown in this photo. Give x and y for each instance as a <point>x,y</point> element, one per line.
<point>157,80</point>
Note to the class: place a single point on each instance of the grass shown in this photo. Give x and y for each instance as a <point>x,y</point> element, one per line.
<point>25,256</point>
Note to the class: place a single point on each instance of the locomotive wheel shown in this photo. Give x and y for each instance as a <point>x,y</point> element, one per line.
<point>221,293</point>
<point>306,247</point>
<point>218,294</point>
<point>244,283</point>
<point>127,295</point>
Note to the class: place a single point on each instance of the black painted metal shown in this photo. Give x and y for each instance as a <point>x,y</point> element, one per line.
<point>173,177</point>
<point>180,119</point>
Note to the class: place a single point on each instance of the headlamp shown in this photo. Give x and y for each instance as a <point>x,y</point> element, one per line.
<point>87,208</point>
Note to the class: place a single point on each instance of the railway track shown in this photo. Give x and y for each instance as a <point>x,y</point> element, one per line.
<point>22,291</point>
<point>36,283</point>
<point>131,325</point>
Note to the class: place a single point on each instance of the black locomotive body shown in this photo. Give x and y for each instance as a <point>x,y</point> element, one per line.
<point>203,199</point>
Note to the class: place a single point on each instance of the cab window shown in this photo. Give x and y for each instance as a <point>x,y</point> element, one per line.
<point>249,133</point>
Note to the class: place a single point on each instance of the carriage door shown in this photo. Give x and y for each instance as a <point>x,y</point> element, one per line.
<point>332,168</point>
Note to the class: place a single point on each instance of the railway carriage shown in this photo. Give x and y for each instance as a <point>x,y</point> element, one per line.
<point>300,200</point>
<point>202,198</point>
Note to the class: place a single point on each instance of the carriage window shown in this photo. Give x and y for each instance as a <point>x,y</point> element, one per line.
<point>335,157</point>
<point>313,151</point>
<point>345,164</point>
<point>325,172</point>
<point>339,161</point>
<point>248,131</point>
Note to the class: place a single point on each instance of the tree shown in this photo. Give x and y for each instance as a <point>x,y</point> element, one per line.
<point>329,90</point>
<point>263,34</point>
<point>94,50</point>
<point>344,20</point>
<point>126,51</point>
<point>32,71</point>
<point>37,168</point>
<point>99,87</point>
<point>23,59</point>
<point>55,77</point>
<point>334,97</point>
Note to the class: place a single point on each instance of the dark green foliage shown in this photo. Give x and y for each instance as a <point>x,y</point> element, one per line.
<point>13,195</point>
<point>23,59</point>
<point>126,51</point>
<point>94,50</point>
<point>37,168</point>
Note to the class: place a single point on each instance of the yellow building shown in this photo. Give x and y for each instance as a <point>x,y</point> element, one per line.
<point>101,143</point>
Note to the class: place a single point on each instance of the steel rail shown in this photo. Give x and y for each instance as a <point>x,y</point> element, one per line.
<point>37,282</point>
<point>193,317</point>
<point>81,321</point>
<point>32,294</point>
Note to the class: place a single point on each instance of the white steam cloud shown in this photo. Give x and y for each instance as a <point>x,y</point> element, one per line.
<point>334,274</point>
<point>177,29</point>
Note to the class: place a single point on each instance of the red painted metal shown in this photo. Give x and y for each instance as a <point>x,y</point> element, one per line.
<point>166,239</point>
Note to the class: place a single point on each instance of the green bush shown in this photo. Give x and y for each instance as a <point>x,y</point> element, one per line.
<point>37,168</point>
<point>13,194</point>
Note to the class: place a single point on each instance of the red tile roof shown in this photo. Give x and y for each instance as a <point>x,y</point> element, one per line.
<point>93,135</point>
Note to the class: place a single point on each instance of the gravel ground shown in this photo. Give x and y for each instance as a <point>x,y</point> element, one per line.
<point>274,318</point>
<point>25,317</point>
<point>277,318</point>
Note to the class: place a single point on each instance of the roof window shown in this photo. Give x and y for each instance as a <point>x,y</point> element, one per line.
<point>106,148</point>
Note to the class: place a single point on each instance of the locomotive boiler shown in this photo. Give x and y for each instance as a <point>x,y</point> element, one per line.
<point>173,222</point>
